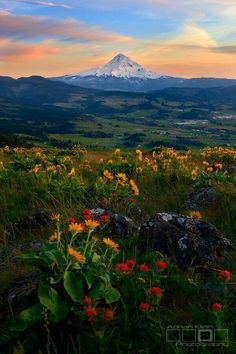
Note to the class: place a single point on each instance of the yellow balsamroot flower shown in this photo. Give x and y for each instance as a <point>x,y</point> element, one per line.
<point>195,214</point>
<point>209,169</point>
<point>76,255</point>
<point>219,166</point>
<point>107,174</point>
<point>92,224</point>
<point>71,173</point>
<point>55,217</point>
<point>205,163</point>
<point>75,227</point>
<point>36,168</point>
<point>1,165</point>
<point>117,152</point>
<point>194,175</point>
<point>139,155</point>
<point>111,244</point>
<point>134,187</point>
<point>154,168</point>
<point>139,170</point>
<point>55,236</point>
<point>122,177</point>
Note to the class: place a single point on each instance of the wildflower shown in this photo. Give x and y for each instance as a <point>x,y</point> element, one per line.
<point>87,300</point>
<point>105,218</point>
<point>130,263</point>
<point>114,195</point>
<point>205,163</point>
<point>111,244</point>
<point>71,220</point>
<point>139,155</point>
<point>107,314</point>
<point>108,175</point>
<point>139,170</point>
<point>117,151</point>
<point>194,175</point>
<point>92,224</point>
<point>195,214</point>
<point>104,200</point>
<point>217,306</point>
<point>154,291</point>
<point>36,168</point>
<point>95,238</point>
<point>55,236</point>
<point>122,177</point>
<point>134,187</point>
<point>144,268</point>
<point>71,173</point>
<point>154,168</point>
<point>87,212</point>
<point>131,200</point>
<point>90,311</point>
<point>144,306</point>
<point>219,166</point>
<point>161,264</point>
<point>122,267</point>
<point>78,257</point>
<point>55,217</point>
<point>209,169</point>
<point>225,274</point>
<point>75,227</point>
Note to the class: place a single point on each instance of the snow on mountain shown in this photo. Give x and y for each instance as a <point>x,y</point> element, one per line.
<point>119,67</point>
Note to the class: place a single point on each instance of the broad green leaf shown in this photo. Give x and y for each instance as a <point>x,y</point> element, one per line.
<point>89,279</point>
<point>27,318</point>
<point>73,286</point>
<point>111,295</point>
<point>52,301</point>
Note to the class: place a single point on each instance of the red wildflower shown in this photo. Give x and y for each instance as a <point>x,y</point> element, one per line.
<point>104,200</point>
<point>120,205</point>
<point>71,220</point>
<point>131,200</point>
<point>144,306</point>
<point>217,306</point>
<point>161,264</point>
<point>144,268</point>
<point>225,274</point>
<point>105,218</point>
<point>107,314</point>
<point>130,263</point>
<point>122,267</point>
<point>90,311</point>
<point>86,211</point>
<point>87,300</point>
<point>87,216</point>
<point>114,195</point>
<point>155,290</point>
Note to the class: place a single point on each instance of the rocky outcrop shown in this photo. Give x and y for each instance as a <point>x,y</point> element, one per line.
<point>185,240</point>
<point>200,199</point>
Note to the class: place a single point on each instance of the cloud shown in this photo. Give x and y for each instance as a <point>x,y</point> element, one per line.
<point>18,52</point>
<point>45,3</point>
<point>28,27</point>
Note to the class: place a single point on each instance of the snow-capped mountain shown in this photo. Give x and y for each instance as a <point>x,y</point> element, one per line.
<point>123,74</point>
<point>121,67</point>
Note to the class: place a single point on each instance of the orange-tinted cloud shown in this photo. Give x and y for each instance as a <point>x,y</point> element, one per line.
<point>27,27</point>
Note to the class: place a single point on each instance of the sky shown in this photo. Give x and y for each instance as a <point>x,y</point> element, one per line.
<point>184,38</point>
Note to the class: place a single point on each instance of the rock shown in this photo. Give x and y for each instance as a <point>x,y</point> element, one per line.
<point>35,220</point>
<point>21,288</point>
<point>119,225</point>
<point>199,199</point>
<point>185,240</point>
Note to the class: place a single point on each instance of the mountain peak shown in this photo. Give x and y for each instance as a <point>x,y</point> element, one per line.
<point>120,66</point>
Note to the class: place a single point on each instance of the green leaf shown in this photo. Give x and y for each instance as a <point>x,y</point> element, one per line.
<point>27,318</point>
<point>96,258</point>
<point>73,286</point>
<point>89,279</point>
<point>56,256</point>
<point>52,301</point>
<point>111,295</point>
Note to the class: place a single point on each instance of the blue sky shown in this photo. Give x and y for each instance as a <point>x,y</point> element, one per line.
<point>183,38</point>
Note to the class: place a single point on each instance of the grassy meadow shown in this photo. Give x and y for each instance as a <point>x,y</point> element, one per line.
<point>91,291</point>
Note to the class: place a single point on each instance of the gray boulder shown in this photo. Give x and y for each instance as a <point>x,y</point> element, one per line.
<point>200,199</point>
<point>185,240</point>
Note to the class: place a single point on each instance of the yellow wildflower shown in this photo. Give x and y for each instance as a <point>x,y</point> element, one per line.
<point>55,236</point>
<point>107,174</point>
<point>117,151</point>
<point>71,173</point>
<point>36,168</point>
<point>209,169</point>
<point>122,177</point>
<point>139,169</point>
<point>154,168</point>
<point>194,175</point>
<point>111,244</point>
<point>78,257</point>
<point>219,166</point>
<point>139,155</point>
<point>195,214</point>
<point>134,187</point>
<point>92,224</point>
<point>55,217</point>
<point>205,163</point>
<point>75,227</point>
